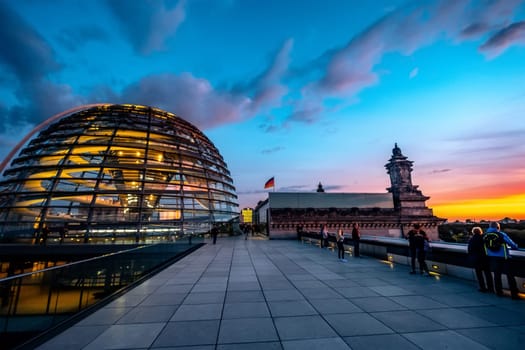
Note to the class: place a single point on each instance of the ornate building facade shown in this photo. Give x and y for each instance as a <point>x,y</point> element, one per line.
<point>389,214</point>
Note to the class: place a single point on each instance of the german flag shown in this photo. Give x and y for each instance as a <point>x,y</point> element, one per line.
<point>270,183</point>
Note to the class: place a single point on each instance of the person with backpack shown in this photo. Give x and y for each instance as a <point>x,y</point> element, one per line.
<point>496,244</point>
<point>479,261</point>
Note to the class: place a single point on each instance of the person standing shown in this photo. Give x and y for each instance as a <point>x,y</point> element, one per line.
<point>416,245</point>
<point>356,237</point>
<point>299,231</point>
<point>214,233</point>
<point>324,236</point>
<point>412,247</point>
<point>340,239</point>
<point>479,261</point>
<point>496,244</point>
<point>246,230</point>
<point>421,239</point>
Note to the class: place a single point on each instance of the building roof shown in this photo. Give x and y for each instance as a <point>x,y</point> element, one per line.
<point>330,200</point>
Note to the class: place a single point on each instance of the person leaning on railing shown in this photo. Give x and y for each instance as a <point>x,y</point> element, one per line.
<point>479,261</point>
<point>499,260</point>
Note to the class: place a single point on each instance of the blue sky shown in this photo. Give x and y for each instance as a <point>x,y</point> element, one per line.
<point>305,91</point>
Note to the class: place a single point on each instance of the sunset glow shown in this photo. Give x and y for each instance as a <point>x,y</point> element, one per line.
<point>483,209</point>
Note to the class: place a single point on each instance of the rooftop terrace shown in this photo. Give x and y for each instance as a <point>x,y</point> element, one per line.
<point>259,294</point>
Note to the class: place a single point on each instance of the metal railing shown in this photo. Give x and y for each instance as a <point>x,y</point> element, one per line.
<point>445,258</point>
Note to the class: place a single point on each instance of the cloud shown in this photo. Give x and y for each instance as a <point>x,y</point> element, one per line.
<point>198,101</point>
<point>241,192</point>
<point>72,38</point>
<point>268,87</point>
<point>148,24</point>
<point>30,60</point>
<point>484,17</point>
<point>347,70</point>
<point>440,171</point>
<point>493,137</point>
<point>413,73</point>
<point>500,41</point>
<point>295,188</point>
<point>24,52</point>
<point>323,84</point>
<point>272,150</point>
<point>194,99</point>
<point>334,187</point>
<point>473,30</point>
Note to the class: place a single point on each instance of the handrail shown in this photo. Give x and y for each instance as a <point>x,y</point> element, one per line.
<point>26,274</point>
<point>456,247</point>
<point>442,245</point>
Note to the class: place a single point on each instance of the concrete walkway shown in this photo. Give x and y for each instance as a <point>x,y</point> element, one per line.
<point>258,294</point>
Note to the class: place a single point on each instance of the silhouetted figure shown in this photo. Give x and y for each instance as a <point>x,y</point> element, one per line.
<point>479,260</point>
<point>299,232</point>
<point>416,242</point>
<point>356,237</point>
<point>324,236</point>
<point>246,230</point>
<point>214,233</point>
<point>340,239</point>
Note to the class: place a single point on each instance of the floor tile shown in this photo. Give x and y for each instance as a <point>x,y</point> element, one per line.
<point>194,312</point>
<point>245,310</point>
<point>247,330</point>
<point>188,333</point>
<point>126,336</point>
<point>380,342</point>
<point>407,321</point>
<point>356,324</point>
<point>303,327</point>
<point>291,308</point>
<point>440,340</point>
<point>316,344</point>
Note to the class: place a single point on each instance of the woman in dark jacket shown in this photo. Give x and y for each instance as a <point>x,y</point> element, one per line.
<point>479,260</point>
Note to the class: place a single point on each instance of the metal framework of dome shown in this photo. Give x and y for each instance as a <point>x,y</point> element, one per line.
<point>118,172</point>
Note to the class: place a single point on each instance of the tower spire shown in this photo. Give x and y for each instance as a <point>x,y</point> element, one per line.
<point>408,199</point>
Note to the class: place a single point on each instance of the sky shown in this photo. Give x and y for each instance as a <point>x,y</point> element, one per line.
<point>304,91</point>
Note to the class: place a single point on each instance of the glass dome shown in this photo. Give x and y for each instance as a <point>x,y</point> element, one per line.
<point>118,171</point>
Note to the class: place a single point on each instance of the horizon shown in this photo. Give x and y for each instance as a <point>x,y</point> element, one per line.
<point>302,91</point>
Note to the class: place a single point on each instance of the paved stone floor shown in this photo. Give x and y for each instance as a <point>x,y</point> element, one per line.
<point>259,294</point>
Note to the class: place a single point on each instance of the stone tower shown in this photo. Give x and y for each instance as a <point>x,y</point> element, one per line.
<point>408,200</point>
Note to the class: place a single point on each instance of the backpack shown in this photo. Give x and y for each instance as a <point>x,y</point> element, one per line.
<point>492,241</point>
